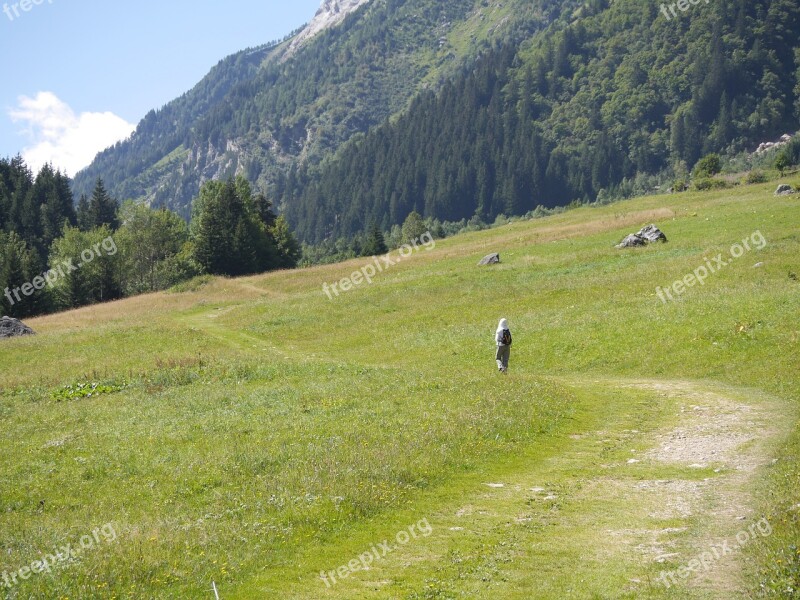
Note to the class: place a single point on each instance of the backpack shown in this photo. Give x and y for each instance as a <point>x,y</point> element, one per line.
<point>506,337</point>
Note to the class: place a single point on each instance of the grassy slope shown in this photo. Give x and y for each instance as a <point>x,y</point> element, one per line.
<point>268,433</point>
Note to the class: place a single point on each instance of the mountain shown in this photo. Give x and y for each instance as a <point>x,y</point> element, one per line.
<point>614,99</point>
<point>330,14</point>
<point>470,108</point>
<point>265,110</point>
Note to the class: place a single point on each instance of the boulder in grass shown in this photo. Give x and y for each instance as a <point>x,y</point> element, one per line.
<point>491,259</point>
<point>632,240</point>
<point>652,234</point>
<point>785,190</point>
<point>647,235</point>
<point>10,327</point>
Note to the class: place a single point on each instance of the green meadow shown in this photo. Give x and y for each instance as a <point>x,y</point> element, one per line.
<point>253,434</point>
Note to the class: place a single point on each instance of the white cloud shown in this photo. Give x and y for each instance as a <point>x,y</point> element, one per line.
<point>59,136</point>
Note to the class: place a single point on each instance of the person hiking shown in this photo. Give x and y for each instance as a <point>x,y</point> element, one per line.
<point>503,338</point>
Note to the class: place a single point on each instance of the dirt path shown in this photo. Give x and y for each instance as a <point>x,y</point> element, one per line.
<point>603,511</point>
<point>689,496</point>
<point>721,431</point>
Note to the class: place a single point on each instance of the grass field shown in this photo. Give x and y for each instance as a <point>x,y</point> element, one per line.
<point>252,434</point>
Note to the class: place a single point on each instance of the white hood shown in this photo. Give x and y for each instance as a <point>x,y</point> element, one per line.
<point>503,325</point>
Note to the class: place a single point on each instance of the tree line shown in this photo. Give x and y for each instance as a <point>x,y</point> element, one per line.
<point>127,249</point>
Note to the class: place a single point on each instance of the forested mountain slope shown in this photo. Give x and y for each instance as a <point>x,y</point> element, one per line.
<point>609,93</point>
<point>263,111</point>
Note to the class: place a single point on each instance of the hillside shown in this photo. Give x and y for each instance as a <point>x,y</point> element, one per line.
<point>470,109</point>
<point>263,110</point>
<point>617,100</point>
<point>254,433</point>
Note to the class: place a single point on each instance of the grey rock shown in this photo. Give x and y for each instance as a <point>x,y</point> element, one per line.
<point>785,190</point>
<point>14,328</point>
<point>652,234</point>
<point>647,235</point>
<point>679,189</point>
<point>330,14</point>
<point>632,241</point>
<point>491,259</point>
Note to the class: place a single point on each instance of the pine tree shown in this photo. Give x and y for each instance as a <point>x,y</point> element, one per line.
<point>5,203</point>
<point>51,208</point>
<point>375,244</point>
<point>214,228</point>
<point>103,208</point>
<point>12,274</point>
<point>243,258</point>
<point>84,215</point>
<point>18,267</point>
<point>66,201</point>
<point>678,136</point>
<point>287,246</point>
<point>34,265</point>
<point>263,208</point>
<point>723,128</point>
<point>229,237</point>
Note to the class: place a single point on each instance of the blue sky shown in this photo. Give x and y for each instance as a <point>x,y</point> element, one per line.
<point>75,76</point>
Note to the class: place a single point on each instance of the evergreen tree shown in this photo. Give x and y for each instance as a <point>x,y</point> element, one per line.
<point>229,237</point>
<point>40,302</point>
<point>43,198</point>
<point>286,244</point>
<point>723,127</point>
<point>375,244</point>
<point>84,215</point>
<point>677,136</point>
<point>263,208</point>
<point>103,208</point>
<point>96,280</point>
<point>66,201</point>
<point>215,224</point>
<point>13,276</point>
